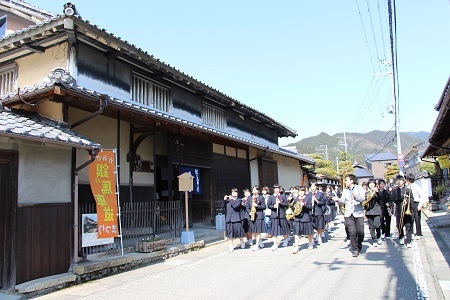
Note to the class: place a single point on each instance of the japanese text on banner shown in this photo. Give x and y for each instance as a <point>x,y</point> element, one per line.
<point>103,185</point>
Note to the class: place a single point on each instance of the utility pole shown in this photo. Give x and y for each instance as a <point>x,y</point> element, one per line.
<point>401,163</point>
<point>322,150</point>
<point>340,143</point>
<point>337,165</point>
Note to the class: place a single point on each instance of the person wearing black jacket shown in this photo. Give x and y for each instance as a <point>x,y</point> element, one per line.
<point>386,210</point>
<point>303,222</point>
<point>257,225</point>
<point>319,206</point>
<point>278,203</point>
<point>401,195</point>
<point>373,212</point>
<point>233,218</point>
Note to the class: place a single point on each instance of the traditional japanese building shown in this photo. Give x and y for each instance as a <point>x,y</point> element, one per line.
<point>69,89</point>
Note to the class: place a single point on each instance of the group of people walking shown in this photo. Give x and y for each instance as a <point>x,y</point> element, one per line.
<point>304,212</point>
<point>378,204</point>
<point>311,211</point>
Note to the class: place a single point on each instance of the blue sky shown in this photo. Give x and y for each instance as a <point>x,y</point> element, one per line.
<point>308,64</point>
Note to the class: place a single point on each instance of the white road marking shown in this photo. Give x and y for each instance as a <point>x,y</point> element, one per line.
<point>421,283</point>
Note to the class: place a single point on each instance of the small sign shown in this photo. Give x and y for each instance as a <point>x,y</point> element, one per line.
<point>401,163</point>
<point>185,182</point>
<point>89,232</point>
<point>400,157</point>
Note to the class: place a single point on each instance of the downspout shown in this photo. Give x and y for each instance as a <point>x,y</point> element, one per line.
<point>93,153</point>
<point>103,104</point>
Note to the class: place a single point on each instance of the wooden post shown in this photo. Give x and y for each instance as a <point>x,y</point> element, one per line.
<point>187,210</point>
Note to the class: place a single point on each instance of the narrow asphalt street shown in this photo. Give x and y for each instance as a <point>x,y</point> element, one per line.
<point>388,271</point>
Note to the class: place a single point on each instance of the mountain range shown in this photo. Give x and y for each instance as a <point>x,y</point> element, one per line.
<point>359,144</point>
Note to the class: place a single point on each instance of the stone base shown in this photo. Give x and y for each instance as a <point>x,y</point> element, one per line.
<point>187,237</point>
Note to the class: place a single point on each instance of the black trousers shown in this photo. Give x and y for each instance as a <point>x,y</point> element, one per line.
<point>386,224</point>
<point>374,223</point>
<point>355,228</point>
<point>417,216</point>
<point>407,223</point>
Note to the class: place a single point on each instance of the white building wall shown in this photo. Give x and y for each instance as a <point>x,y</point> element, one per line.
<point>289,172</point>
<point>254,177</point>
<point>44,174</point>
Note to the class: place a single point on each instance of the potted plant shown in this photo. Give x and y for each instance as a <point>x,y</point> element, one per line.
<point>151,244</point>
<point>439,190</point>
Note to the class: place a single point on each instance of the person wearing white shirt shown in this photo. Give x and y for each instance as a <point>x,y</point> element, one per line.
<point>416,205</point>
<point>352,196</point>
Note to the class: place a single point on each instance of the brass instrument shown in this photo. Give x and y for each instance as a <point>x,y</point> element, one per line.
<point>369,196</point>
<point>253,211</point>
<point>298,206</point>
<point>406,206</point>
<point>290,210</point>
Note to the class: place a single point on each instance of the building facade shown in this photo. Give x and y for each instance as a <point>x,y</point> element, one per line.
<point>69,89</point>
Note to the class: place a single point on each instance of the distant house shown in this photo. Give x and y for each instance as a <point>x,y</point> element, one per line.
<point>362,173</point>
<point>378,162</point>
<point>413,160</point>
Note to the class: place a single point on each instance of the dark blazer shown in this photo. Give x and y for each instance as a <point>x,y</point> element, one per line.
<point>260,208</point>
<point>305,215</point>
<point>319,206</point>
<point>385,199</point>
<point>374,208</point>
<point>282,206</point>
<point>246,207</point>
<point>233,210</point>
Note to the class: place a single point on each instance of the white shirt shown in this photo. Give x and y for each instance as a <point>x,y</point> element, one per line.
<point>418,194</point>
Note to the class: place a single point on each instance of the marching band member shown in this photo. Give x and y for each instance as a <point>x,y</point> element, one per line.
<point>419,200</point>
<point>352,196</point>
<point>279,227</point>
<point>246,207</point>
<point>319,204</point>
<point>257,217</point>
<point>233,228</point>
<point>373,212</point>
<point>386,210</point>
<point>402,196</point>
<point>303,221</point>
<point>329,219</point>
<point>267,211</point>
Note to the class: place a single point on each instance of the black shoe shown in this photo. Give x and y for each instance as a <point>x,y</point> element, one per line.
<point>355,253</point>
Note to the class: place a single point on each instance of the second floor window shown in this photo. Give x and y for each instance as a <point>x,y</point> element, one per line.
<point>213,117</point>
<point>8,78</point>
<point>150,94</point>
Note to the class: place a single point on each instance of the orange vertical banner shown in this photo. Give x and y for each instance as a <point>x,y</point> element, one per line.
<point>102,178</point>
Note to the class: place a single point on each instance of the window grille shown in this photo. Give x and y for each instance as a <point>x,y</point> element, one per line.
<point>8,78</point>
<point>214,117</point>
<point>150,94</point>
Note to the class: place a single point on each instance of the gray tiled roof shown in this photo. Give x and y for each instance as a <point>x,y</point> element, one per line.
<point>140,54</point>
<point>25,125</point>
<point>380,156</point>
<point>363,173</point>
<point>35,89</point>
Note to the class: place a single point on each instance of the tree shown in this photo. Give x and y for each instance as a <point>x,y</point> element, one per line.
<point>323,166</point>
<point>429,167</point>
<point>343,156</point>
<point>391,171</point>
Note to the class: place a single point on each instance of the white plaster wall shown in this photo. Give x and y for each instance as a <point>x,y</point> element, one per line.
<point>34,68</point>
<point>44,174</point>
<point>103,130</point>
<point>254,179</point>
<point>289,172</point>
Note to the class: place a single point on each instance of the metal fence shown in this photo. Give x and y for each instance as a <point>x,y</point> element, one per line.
<point>140,220</point>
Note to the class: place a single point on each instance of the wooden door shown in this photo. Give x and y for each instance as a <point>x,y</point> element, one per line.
<point>8,204</point>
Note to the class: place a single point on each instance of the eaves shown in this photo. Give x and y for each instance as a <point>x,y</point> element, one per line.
<point>30,40</point>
